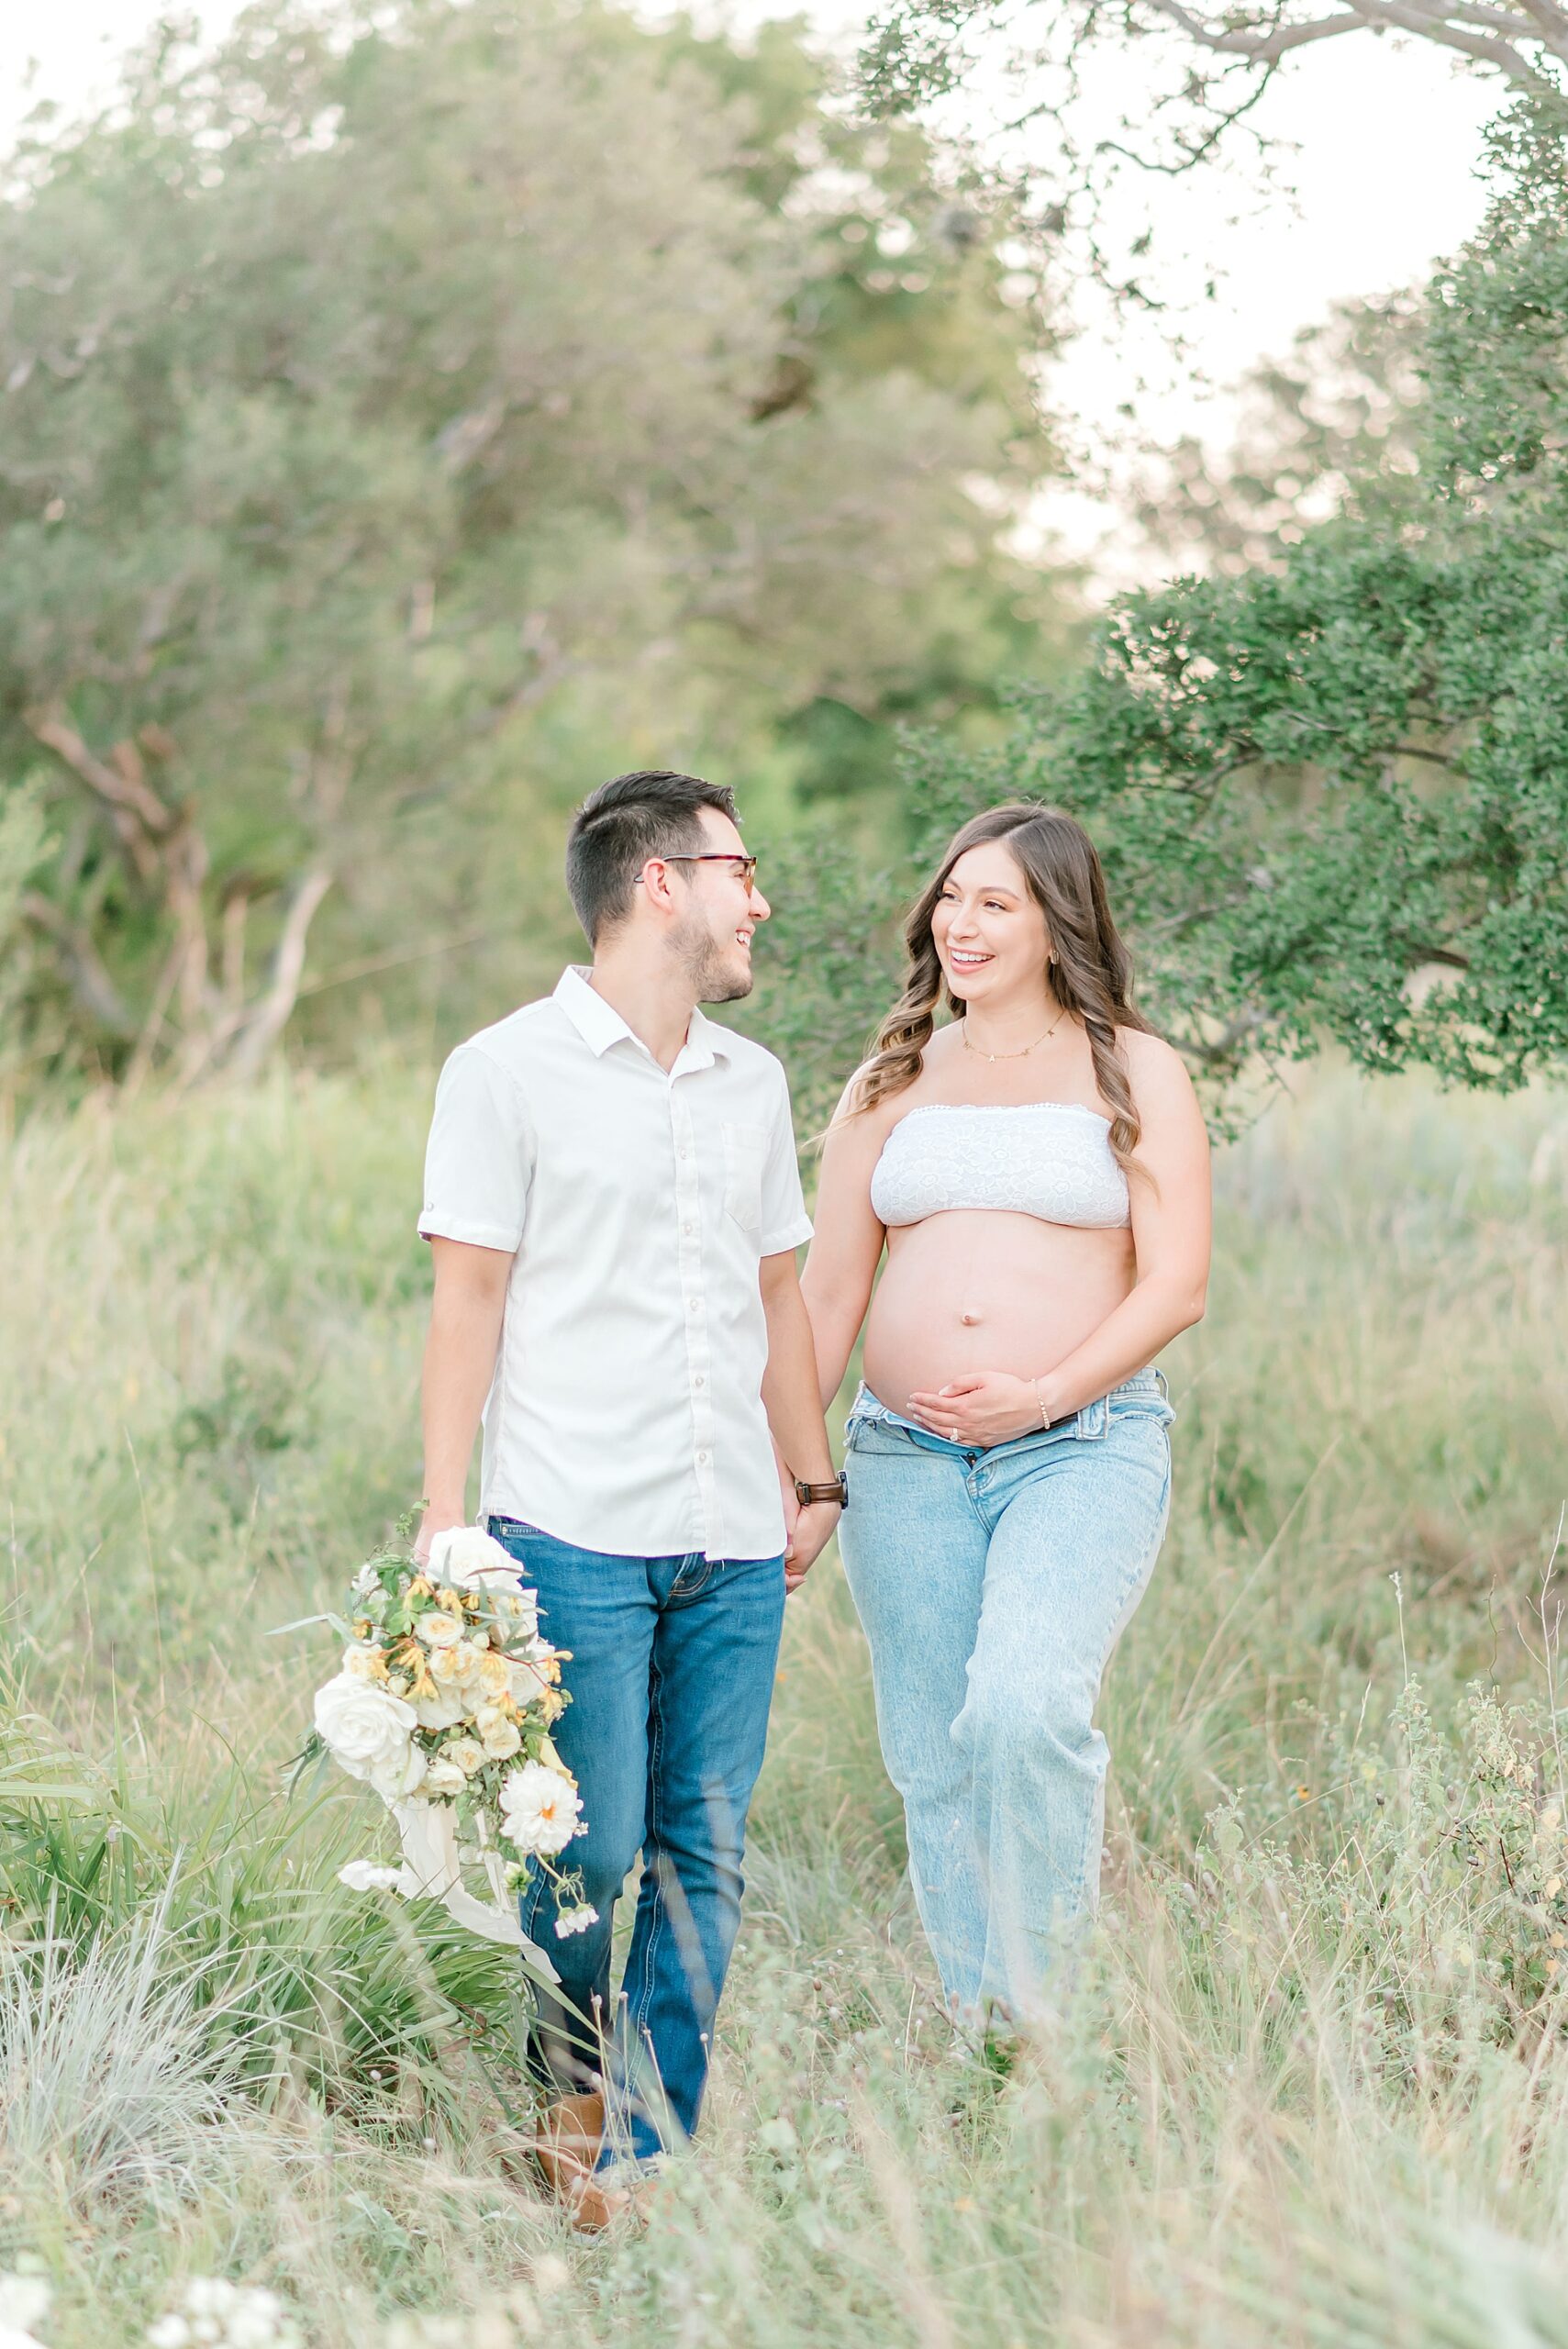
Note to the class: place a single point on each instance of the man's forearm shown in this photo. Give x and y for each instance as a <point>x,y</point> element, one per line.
<point>459,1362</point>
<point>789,1389</point>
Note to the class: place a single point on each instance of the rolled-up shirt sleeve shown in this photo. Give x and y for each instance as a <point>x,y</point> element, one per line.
<point>785,1223</point>
<point>479,1158</point>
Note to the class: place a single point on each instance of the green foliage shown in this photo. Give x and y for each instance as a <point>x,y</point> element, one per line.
<point>411,415</point>
<point>1332,792</point>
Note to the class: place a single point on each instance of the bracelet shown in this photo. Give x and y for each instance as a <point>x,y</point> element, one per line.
<point>1044,1415</point>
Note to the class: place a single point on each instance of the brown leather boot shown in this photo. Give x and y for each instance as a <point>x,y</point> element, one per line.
<point>568,2141</point>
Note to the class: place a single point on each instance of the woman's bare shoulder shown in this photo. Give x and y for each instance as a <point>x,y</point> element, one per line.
<point>1159,1074</point>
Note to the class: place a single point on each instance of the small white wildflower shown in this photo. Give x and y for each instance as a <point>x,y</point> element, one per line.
<point>367,1875</point>
<point>170,2332</point>
<point>575,1920</point>
<point>24,2302</point>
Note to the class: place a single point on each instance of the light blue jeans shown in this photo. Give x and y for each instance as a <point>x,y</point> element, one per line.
<point>993,1586</point>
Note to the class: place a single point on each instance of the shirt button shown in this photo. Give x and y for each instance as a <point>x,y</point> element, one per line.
<point>681,1153</point>
<point>687,1229</point>
<point>702,1460</point>
<point>699,1380</point>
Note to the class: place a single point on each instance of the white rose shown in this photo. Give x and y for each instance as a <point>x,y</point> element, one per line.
<point>499,1733</point>
<point>366,1581</point>
<point>466,1752</point>
<point>443,1777</point>
<point>397,1779</point>
<point>443,1708</point>
<point>367,1729</point>
<point>366,1876</point>
<point>539,1808</point>
<point>359,1662</point>
<point>438,1629</point>
<point>471,1559</point>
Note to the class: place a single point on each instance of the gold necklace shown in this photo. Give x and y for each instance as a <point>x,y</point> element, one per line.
<point>1012,1056</point>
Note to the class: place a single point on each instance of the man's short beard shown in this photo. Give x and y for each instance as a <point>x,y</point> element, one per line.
<point>712,980</point>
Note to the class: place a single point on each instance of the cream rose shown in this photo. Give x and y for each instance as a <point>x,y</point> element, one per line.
<point>438,1630</point>
<point>443,1708</point>
<point>525,1681</point>
<point>466,1752</point>
<point>499,1733</point>
<point>443,1777</point>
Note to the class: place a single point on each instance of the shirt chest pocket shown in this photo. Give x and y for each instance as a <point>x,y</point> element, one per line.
<point>744,1150</point>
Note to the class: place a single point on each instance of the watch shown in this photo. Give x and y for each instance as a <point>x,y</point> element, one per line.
<point>836,1489</point>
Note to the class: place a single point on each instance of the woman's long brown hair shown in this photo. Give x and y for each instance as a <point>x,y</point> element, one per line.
<point>1091,969</point>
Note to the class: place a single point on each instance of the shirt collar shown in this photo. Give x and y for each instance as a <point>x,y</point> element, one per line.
<point>600,1025</point>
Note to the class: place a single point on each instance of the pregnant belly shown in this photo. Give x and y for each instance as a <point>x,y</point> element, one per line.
<point>975,1290</point>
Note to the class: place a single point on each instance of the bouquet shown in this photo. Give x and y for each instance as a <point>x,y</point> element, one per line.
<point>444,1705</point>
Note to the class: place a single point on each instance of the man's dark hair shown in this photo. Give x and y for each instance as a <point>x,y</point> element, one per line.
<point>621,825</point>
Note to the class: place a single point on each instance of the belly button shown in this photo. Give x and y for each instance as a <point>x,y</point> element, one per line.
<point>969,1320</point>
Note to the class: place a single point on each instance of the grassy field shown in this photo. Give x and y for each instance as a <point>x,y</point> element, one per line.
<point>1311,2085</point>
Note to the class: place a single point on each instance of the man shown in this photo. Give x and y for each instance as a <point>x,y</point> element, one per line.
<point>614,1204</point>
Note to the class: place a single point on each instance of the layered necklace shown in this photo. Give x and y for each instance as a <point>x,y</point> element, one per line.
<point>1028,1048</point>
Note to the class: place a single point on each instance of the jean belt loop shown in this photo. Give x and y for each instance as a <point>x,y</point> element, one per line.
<point>1094,1419</point>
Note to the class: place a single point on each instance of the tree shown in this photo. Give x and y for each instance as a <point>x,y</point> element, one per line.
<point>1331,429</point>
<point>1202,68</point>
<point>1332,793</point>
<point>412,414</point>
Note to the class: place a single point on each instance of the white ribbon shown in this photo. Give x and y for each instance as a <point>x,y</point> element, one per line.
<point>430,1872</point>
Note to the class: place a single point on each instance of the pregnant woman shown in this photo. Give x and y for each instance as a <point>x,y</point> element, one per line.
<point>1037,1172</point>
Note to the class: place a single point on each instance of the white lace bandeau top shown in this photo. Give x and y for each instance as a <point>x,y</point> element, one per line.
<point>1052,1159</point>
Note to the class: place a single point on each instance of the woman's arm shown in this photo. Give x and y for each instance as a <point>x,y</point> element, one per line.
<point>1170,1217</point>
<point>840,1264</point>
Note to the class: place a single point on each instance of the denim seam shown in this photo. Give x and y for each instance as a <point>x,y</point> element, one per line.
<point>652,1832</point>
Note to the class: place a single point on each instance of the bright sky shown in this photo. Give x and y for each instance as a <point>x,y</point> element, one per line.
<point>1387,137</point>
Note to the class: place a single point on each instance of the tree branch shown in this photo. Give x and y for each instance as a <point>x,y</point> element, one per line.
<point>89,979</point>
<point>270,1016</point>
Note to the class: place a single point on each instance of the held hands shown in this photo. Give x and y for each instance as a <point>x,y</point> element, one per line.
<point>989,1406</point>
<point>806,1539</point>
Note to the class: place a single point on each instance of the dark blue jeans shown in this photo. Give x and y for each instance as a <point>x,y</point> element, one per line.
<point>670,1676</point>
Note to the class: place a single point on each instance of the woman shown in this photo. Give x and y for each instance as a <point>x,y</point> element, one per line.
<point>1038,1170</point>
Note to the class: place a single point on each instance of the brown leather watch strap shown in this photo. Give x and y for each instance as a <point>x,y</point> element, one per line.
<point>838,1490</point>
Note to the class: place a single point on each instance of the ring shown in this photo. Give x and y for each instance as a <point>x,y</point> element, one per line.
<point>955,1435</point>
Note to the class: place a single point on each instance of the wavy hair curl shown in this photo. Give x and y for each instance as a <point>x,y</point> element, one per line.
<point>1091,970</point>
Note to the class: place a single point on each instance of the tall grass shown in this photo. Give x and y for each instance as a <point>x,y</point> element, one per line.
<point>1309,2085</point>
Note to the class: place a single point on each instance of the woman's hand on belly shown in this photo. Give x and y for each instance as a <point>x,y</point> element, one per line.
<point>986,1407</point>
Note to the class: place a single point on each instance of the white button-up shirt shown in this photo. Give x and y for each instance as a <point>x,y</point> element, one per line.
<point>625,1413</point>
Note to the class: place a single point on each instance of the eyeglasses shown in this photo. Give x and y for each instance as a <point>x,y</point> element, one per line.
<point>746,864</point>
